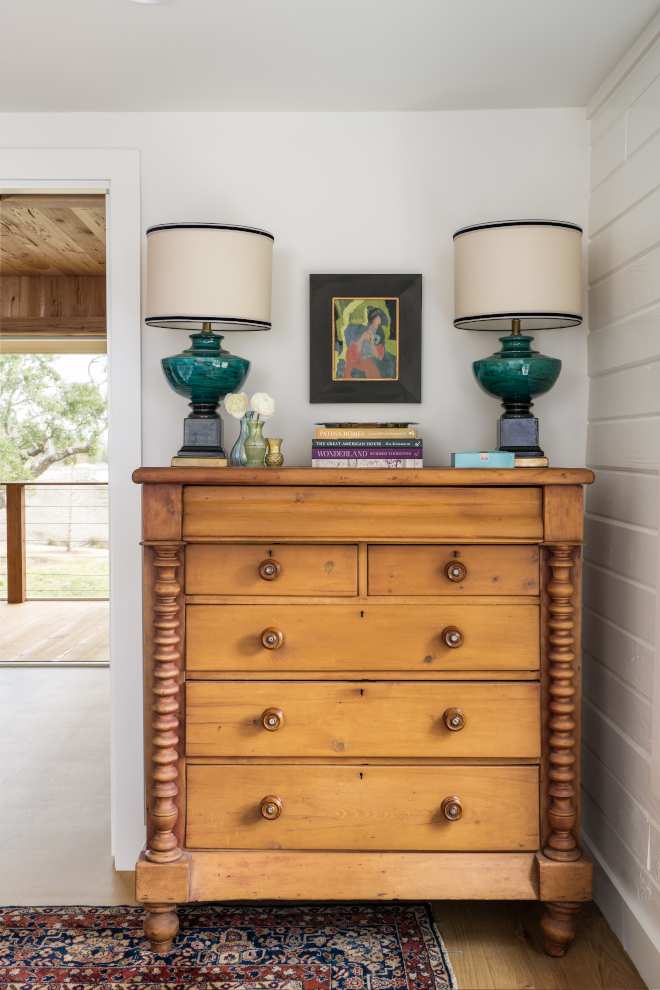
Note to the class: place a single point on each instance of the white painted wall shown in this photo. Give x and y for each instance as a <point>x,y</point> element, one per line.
<point>621,722</point>
<point>353,192</point>
<point>344,192</point>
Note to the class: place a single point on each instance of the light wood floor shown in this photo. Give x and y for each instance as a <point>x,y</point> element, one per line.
<point>497,945</point>
<point>55,842</point>
<point>57,632</point>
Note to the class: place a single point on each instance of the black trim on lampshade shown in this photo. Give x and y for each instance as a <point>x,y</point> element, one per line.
<point>568,320</point>
<point>518,223</point>
<point>209,226</point>
<point>193,322</point>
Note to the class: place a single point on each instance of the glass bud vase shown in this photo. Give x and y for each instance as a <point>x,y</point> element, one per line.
<point>274,456</point>
<point>238,457</point>
<point>255,445</point>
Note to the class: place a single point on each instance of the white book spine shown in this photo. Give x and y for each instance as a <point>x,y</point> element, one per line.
<point>367,462</point>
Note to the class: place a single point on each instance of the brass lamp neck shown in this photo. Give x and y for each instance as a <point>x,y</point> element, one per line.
<point>515,327</point>
<point>206,327</point>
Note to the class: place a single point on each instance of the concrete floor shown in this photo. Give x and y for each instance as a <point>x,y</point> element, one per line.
<point>55,789</point>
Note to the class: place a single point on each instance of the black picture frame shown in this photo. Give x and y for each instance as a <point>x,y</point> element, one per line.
<point>324,291</point>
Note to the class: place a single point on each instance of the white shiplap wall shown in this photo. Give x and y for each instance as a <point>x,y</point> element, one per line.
<point>621,805</point>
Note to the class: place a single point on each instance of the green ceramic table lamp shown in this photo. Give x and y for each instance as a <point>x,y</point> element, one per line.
<point>206,276</point>
<point>522,275</point>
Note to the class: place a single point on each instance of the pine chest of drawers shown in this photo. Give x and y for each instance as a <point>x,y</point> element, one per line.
<point>361,685</point>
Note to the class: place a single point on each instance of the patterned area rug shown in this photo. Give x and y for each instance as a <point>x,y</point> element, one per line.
<point>340,947</point>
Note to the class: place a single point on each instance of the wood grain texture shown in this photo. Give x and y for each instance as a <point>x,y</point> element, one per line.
<point>498,945</point>
<point>165,719</point>
<point>161,512</point>
<point>422,570</point>
<point>57,632</point>
<point>35,327</point>
<point>234,569</point>
<point>437,476</point>
<point>166,883</point>
<point>52,296</point>
<point>564,881</point>
<point>360,719</point>
<point>336,876</point>
<point>365,637</point>
<point>562,812</point>
<point>16,562</point>
<point>321,512</point>
<point>373,808</point>
<point>40,239</point>
<point>562,514</point>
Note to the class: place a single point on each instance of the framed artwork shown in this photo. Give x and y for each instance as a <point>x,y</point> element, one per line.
<point>365,338</point>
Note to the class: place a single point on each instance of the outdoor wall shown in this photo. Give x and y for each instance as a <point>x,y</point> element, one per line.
<point>621,753</point>
<point>353,192</point>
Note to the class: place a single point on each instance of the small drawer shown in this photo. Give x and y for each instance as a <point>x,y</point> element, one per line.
<point>365,719</point>
<point>362,807</point>
<point>362,637</point>
<point>453,570</point>
<point>270,569</point>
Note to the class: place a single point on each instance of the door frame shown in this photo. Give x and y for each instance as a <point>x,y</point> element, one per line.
<point>117,174</point>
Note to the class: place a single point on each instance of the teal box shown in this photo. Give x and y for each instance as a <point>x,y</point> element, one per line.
<point>483,459</point>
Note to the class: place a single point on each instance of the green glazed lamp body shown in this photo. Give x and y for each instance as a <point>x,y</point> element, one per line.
<point>517,374</point>
<point>204,373</point>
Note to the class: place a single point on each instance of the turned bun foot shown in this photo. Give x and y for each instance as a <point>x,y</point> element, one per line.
<point>160,925</point>
<point>558,926</point>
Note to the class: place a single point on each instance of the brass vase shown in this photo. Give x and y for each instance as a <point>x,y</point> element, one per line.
<point>274,458</point>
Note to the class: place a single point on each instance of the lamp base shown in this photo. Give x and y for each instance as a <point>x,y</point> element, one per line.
<point>202,437</point>
<point>519,435</point>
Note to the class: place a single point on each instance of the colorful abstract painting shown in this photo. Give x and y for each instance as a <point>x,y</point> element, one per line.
<point>365,339</point>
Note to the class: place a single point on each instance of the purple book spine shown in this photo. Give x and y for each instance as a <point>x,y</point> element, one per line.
<point>361,452</point>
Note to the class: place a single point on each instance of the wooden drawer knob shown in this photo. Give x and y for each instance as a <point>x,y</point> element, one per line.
<point>272,638</point>
<point>271,807</point>
<point>452,636</point>
<point>455,571</point>
<point>452,809</point>
<point>454,719</point>
<point>272,719</point>
<point>269,569</point>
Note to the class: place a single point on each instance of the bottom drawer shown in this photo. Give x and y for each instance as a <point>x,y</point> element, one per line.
<point>362,807</point>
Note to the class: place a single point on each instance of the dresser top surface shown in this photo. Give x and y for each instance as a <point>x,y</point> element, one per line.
<point>431,476</point>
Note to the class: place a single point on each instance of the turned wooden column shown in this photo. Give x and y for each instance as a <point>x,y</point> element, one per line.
<point>164,772</point>
<point>561,844</point>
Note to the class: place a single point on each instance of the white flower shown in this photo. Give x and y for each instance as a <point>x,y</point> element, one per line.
<point>263,405</point>
<point>236,404</point>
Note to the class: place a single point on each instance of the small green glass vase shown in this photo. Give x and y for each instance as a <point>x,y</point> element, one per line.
<point>255,445</point>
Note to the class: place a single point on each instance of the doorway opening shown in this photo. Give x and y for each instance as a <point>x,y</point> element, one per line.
<point>54,574</point>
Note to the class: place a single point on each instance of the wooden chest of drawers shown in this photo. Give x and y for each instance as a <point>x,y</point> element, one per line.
<point>360,685</point>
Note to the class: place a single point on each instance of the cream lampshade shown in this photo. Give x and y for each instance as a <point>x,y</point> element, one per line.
<point>522,275</point>
<point>209,273</point>
<point>206,276</point>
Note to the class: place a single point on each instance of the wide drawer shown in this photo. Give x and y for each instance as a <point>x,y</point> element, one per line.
<point>386,718</point>
<point>361,513</point>
<point>362,637</point>
<point>346,807</point>
<point>270,569</point>
<point>453,570</point>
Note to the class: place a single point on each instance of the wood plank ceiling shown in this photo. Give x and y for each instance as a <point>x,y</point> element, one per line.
<point>52,266</point>
<point>52,235</point>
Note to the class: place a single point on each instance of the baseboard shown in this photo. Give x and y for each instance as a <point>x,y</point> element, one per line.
<point>626,918</point>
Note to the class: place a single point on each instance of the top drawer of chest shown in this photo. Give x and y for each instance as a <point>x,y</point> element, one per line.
<point>372,514</point>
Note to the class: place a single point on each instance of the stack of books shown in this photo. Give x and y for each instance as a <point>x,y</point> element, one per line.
<point>366,445</point>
